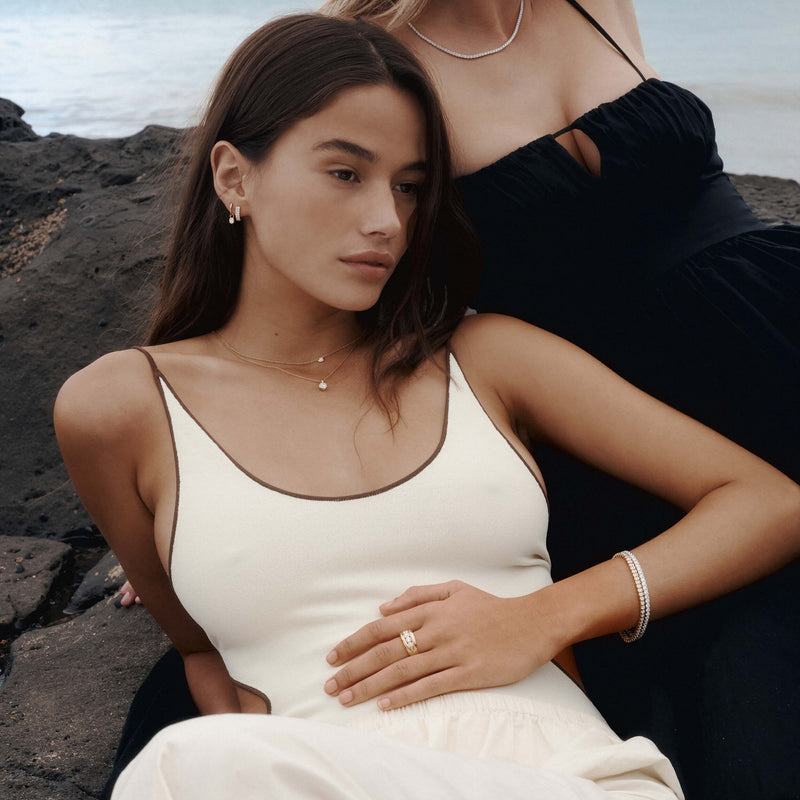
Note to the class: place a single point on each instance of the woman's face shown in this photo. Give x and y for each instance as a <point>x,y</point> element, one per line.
<point>328,211</point>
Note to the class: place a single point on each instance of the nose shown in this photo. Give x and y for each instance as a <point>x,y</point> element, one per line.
<point>381,216</point>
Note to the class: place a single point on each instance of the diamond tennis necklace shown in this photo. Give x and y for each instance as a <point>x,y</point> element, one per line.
<point>474,55</point>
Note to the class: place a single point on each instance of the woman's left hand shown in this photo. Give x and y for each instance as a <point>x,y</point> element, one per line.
<point>466,639</point>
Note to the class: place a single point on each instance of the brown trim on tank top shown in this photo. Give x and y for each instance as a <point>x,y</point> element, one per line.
<point>553,661</point>
<point>257,692</point>
<point>298,495</point>
<point>533,475</point>
<point>506,439</point>
<point>157,376</point>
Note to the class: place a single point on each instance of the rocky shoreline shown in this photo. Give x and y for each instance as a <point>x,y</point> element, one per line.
<point>80,224</point>
<point>79,235</point>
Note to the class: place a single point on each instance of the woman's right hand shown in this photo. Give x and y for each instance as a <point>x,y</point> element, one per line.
<point>467,639</point>
<point>128,595</point>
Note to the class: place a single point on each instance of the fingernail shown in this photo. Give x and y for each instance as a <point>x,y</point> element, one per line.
<point>331,687</point>
<point>384,703</point>
<point>331,657</point>
<point>345,697</point>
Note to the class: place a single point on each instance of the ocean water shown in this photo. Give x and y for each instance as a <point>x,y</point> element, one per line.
<point>743,60</point>
<point>103,68</point>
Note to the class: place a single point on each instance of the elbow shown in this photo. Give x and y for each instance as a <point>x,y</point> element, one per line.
<point>793,500</point>
<point>784,502</point>
<point>790,495</point>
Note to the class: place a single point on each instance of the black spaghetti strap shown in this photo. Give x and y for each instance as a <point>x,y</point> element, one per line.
<point>578,7</point>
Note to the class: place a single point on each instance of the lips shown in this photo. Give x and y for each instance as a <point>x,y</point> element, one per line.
<point>371,258</point>
<point>371,263</point>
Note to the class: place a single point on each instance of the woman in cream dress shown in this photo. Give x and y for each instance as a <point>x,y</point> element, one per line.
<point>313,424</point>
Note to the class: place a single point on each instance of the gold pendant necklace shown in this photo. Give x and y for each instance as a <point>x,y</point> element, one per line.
<point>322,384</point>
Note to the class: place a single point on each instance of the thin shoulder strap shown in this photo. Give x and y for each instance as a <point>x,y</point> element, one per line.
<point>157,376</point>
<point>160,381</point>
<point>151,361</point>
<point>578,7</point>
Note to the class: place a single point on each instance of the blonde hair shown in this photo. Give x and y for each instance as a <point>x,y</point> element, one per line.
<point>388,14</point>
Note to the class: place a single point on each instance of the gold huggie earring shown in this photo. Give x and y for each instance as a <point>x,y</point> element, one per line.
<point>237,213</point>
<point>234,214</point>
<point>230,214</point>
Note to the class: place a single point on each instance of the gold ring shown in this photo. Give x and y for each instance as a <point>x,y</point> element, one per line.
<point>409,642</point>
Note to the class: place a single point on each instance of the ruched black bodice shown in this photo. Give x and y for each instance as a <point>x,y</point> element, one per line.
<point>661,197</point>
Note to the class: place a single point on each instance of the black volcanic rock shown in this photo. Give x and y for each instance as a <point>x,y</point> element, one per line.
<point>12,126</point>
<point>28,569</point>
<point>79,235</point>
<point>102,580</point>
<point>65,699</point>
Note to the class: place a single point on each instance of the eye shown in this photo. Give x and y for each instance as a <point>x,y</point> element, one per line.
<point>346,175</point>
<point>408,188</point>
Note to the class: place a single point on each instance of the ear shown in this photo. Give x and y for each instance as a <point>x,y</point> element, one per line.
<point>229,168</point>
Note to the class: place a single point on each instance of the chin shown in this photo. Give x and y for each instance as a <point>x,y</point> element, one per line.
<point>361,303</point>
<point>356,307</point>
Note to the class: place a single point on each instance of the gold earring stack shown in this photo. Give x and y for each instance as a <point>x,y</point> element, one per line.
<point>322,384</point>
<point>234,214</point>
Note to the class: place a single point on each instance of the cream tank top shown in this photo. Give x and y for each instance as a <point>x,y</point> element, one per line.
<point>277,579</point>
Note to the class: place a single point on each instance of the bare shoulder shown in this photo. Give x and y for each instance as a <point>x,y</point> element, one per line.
<point>495,342</point>
<point>483,325</point>
<point>619,18</point>
<point>530,370</point>
<point>107,399</point>
<point>616,10</point>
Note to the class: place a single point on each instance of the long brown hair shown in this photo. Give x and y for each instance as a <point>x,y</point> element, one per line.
<point>286,71</point>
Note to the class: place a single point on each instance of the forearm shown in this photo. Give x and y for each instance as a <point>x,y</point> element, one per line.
<point>735,535</point>
<point>211,686</point>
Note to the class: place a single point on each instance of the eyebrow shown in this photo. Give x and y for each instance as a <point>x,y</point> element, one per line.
<point>353,149</point>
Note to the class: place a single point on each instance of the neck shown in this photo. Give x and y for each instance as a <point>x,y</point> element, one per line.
<point>274,320</point>
<point>484,19</point>
<point>282,335</point>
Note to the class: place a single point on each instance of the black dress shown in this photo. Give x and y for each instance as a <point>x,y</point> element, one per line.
<point>658,268</point>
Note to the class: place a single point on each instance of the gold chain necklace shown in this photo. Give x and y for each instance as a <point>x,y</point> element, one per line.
<point>267,362</point>
<point>322,384</point>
